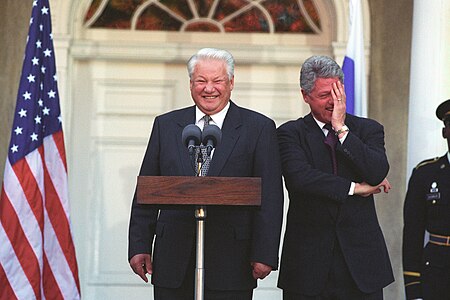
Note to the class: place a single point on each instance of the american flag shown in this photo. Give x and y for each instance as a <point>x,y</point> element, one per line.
<point>37,254</point>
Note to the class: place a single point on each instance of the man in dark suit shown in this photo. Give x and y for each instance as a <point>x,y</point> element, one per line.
<point>241,244</point>
<point>333,246</point>
<point>427,209</point>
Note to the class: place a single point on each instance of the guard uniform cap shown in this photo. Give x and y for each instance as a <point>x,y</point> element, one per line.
<point>443,111</point>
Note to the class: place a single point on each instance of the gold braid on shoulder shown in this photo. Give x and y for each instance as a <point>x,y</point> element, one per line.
<point>426,162</point>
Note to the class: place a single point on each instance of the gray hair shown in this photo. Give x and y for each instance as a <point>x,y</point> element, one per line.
<point>212,53</point>
<point>318,67</point>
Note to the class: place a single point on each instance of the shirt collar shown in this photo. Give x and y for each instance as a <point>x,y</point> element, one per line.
<point>319,123</point>
<point>217,119</point>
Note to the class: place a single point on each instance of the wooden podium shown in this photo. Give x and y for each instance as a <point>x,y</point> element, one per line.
<point>199,192</point>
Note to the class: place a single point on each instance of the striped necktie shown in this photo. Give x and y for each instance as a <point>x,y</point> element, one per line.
<point>206,159</point>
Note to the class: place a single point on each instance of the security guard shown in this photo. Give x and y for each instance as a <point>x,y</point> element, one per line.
<point>427,209</point>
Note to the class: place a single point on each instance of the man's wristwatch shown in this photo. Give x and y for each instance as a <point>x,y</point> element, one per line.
<point>342,130</point>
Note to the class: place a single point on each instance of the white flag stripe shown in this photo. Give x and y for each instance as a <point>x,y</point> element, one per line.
<point>16,277</point>
<point>27,219</point>
<point>56,168</point>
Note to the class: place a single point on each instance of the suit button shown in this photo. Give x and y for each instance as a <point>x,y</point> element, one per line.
<point>434,202</point>
<point>427,263</point>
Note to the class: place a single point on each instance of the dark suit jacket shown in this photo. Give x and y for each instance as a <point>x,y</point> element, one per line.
<point>234,236</point>
<point>426,208</point>
<point>320,211</point>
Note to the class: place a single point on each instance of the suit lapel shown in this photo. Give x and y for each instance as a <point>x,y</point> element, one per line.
<point>315,139</point>
<point>230,136</point>
<point>320,155</point>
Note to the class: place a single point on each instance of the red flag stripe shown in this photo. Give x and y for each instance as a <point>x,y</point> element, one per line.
<point>27,179</point>
<point>51,288</point>
<point>59,141</point>
<point>6,292</point>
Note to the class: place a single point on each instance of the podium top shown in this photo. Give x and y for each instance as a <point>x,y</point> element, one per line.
<point>191,190</point>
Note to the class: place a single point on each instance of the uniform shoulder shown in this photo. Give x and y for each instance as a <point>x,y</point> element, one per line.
<point>426,162</point>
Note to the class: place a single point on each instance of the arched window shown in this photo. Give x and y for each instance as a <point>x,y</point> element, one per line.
<point>255,16</point>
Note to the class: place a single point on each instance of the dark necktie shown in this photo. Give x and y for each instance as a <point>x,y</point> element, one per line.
<point>331,141</point>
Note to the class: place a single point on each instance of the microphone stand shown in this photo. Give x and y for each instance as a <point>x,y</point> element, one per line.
<point>200,216</point>
<point>211,135</point>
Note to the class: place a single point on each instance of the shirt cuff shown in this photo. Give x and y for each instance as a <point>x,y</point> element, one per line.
<point>352,189</point>
<point>342,139</point>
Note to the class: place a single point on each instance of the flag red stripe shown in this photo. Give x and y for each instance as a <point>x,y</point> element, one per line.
<point>30,189</point>
<point>6,292</point>
<point>22,247</point>
<point>51,287</point>
<point>59,141</point>
<point>58,219</point>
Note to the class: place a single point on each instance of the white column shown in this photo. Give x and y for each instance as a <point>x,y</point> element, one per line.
<point>430,79</point>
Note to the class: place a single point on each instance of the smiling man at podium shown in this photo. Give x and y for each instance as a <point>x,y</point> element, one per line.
<point>241,243</point>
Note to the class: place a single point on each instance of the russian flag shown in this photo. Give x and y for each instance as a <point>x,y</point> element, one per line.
<point>354,63</point>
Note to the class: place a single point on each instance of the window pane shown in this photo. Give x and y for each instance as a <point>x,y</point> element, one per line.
<point>287,16</point>
<point>250,21</point>
<point>155,18</point>
<point>203,7</point>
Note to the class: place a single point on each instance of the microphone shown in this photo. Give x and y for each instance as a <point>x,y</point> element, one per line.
<point>191,137</point>
<point>211,137</point>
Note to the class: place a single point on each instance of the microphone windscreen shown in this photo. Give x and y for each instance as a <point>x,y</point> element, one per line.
<point>191,133</point>
<point>211,133</point>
